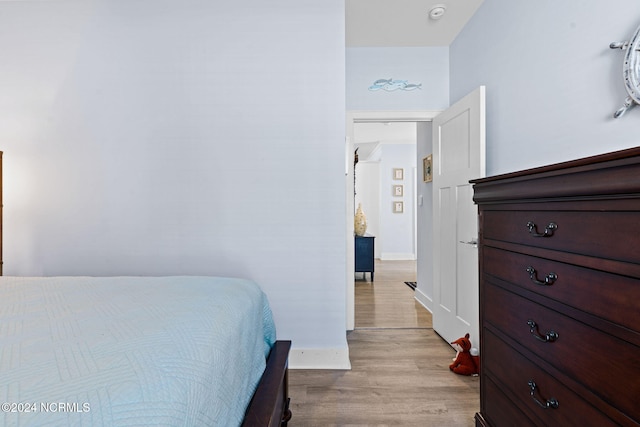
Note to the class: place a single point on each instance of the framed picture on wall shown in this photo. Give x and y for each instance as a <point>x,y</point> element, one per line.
<point>398,190</point>
<point>427,168</point>
<point>398,174</point>
<point>398,207</point>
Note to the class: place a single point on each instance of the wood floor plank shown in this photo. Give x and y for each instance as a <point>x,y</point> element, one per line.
<point>388,302</point>
<point>400,367</point>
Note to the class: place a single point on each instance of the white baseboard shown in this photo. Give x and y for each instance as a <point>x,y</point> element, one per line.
<point>319,358</point>
<point>392,256</point>
<point>424,300</point>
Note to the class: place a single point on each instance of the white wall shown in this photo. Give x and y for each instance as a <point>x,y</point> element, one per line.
<point>396,236</point>
<point>368,197</point>
<point>552,81</point>
<point>424,290</point>
<point>158,137</point>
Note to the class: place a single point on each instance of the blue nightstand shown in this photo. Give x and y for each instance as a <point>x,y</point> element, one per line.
<point>364,254</point>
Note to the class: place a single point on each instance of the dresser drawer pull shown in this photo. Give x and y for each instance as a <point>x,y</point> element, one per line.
<point>551,403</point>
<point>550,336</point>
<point>549,279</point>
<point>548,231</point>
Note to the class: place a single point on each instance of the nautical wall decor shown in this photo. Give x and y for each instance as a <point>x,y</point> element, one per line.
<point>390,85</point>
<point>630,71</point>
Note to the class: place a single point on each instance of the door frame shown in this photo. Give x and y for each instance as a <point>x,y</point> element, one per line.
<point>353,117</point>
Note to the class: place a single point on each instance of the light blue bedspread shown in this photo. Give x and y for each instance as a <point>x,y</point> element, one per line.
<point>125,351</point>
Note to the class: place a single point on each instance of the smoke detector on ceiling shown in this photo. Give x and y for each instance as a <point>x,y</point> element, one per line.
<point>437,11</point>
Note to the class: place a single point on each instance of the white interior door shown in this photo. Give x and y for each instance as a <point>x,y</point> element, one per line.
<point>458,156</point>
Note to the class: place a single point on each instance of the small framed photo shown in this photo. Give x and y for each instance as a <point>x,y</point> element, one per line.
<point>398,190</point>
<point>398,173</point>
<point>427,168</point>
<point>398,207</point>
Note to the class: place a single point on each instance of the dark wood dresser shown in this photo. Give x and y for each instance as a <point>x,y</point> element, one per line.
<point>560,294</point>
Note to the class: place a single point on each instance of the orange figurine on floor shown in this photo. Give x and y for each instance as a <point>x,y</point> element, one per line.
<point>464,363</point>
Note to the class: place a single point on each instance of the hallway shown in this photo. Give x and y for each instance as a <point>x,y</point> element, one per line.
<point>399,366</point>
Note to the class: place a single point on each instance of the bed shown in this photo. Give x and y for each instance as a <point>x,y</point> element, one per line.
<point>122,351</point>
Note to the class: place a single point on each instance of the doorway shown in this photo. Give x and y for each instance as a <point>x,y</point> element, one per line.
<point>382,149</point>
<point>423,201</point>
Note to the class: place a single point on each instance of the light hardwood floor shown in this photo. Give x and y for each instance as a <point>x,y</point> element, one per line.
<point>388,302</point>
<point>399,366</point>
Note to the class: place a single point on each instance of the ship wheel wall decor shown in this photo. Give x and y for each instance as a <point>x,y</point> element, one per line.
<point>631,71</point>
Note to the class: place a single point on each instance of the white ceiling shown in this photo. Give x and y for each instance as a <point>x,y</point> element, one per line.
<point>405,23</point>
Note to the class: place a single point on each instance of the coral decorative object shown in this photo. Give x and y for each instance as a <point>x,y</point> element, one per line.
<point>360,222</point>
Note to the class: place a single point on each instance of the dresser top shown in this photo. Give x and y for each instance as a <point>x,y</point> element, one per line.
<point>611,174</point>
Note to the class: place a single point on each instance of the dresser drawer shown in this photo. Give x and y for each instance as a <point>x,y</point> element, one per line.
<point>611,235</point>
<point>500,410</point>
<point>591,291</point>
<point>515,373</point>
<point>603,363</point>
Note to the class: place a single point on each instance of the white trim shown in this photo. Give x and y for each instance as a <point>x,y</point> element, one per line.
<point>350,242</point>
<point>319,358</point>
<point>424,300</point>
<point>391,116</point>
<point>364,117</point>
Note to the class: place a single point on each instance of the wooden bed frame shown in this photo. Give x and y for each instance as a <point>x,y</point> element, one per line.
<point>269,406</point>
